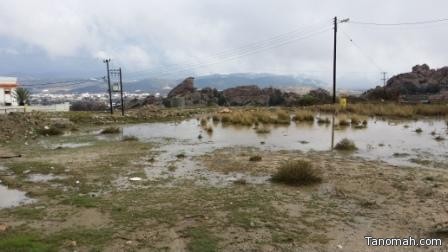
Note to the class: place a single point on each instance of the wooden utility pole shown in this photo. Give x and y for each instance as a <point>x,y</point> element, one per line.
<point>334,53</point>
<point>384,78</point>
<point>108,83</point>
<point>335,28</point>
<point>121,92</point>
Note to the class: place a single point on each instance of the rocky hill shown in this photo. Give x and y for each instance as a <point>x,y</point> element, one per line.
<point>422,82</point>
<point>186,94</point>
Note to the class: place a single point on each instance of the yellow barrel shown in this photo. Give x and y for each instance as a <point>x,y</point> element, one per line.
<point>343,102</point>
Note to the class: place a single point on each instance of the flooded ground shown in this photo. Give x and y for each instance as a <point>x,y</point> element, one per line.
<point>175,186</point>
<point>12,197</point>
<point>394,142</point>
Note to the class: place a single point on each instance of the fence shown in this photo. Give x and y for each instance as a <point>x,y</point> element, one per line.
<point>50,108</point>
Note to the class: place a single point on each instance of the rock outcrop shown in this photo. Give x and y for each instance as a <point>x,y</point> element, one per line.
<point>185,94</point>
<point>246,95</point>
<point>186,87</point>
<point>421,81</point>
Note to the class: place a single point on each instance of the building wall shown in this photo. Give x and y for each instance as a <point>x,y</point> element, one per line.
<point>7,98</point>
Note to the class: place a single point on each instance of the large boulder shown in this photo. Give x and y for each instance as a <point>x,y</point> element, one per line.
<point>246,95</point>
<point>185,94</point>
<point>422,80</point>
<point>186,87</point>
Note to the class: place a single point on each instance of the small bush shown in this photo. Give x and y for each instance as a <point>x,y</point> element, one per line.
<point>419,130</point>
<point>111,130</point>
<point>346,144</point>
<point>298,172</point>
<point>439,138</point>
<point>209,129</point>
<point>355,120</point>
<point>203,121</point>
<point>302,116</point>
<point>216,118</point>
<point>129,138</point>
<point>343,122</point>
<point>51,131</point>
<point>263,131</point>
<point>321,120</point>
<point>255,158</point>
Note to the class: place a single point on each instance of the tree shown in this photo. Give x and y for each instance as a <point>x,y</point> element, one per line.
<point>23,96</point>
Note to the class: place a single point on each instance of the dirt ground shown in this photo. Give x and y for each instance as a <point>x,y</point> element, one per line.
<point>92,205</point>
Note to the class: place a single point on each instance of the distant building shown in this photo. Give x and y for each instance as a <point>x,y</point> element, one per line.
<point>8,86</point>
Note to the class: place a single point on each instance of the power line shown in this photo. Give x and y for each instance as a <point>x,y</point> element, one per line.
<point>277,39</point>
<point>402,23</point>
<point>246,53</point>
<point>368,57</point>
<point>60,83</point>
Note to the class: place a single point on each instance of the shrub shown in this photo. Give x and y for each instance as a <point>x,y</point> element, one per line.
<point>298,172</point>
<point>255,158</point>
<point>263,131</point>
<point>325,120</point>
<point>346,144</point>
<point>343,122</point>
<point>439,138</point>
<point>111,130</point>
<point>209,129</point>
<point>355,120</point>
<point>129,138</point>
<point>216,118</point>
<point>419,130</point>
<point>303,116</point>
<point>51,131</point>
<point>203,121</point>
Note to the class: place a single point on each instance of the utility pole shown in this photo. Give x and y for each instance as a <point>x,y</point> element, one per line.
<point>384,78</point>
<point>335,28</point>
<point>121,91</point>
<point>108,83</point>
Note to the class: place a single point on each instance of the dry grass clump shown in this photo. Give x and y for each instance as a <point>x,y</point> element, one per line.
<point>387,109</point>
<point>254,117</point>
<point>51,131</point>
<point>297,173</point>
<point>439,138</point>
<point>303,116</point>
<point>346,145</point>
<point>111,130</point>
<point>323,120</point>
<point>431,109</point>
<point>129,139</point>
<point>343,121</point>
<point>263,130</point>
<point>255,158</point>
<point>283,117</point>
<point>203,121</point>
<point>355,120</point>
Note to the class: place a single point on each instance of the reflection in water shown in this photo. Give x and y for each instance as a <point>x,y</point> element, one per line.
<point>332,131</point>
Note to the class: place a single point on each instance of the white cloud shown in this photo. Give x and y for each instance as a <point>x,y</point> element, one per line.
<point>139,34</point>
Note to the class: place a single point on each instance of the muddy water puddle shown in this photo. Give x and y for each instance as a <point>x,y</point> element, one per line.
<point>394,142</point>
<point>12,197</point>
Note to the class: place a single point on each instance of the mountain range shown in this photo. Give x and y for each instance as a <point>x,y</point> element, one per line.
<point>163,86</point>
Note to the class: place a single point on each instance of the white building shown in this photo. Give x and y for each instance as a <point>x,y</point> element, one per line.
<point>8,86</point>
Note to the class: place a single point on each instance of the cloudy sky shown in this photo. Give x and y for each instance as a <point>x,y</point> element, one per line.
<point>165,38</point>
